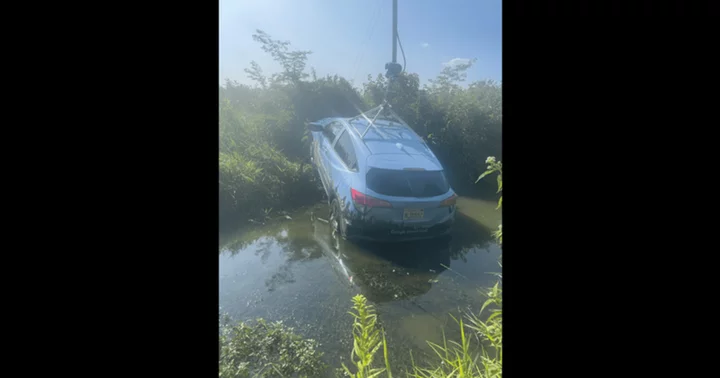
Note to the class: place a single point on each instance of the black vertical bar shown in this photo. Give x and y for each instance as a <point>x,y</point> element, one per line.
<point>394,32</point>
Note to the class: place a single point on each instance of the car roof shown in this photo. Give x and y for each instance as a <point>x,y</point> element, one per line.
<point>388,136</point>
<point>399,144</point>
<point>390,130</point>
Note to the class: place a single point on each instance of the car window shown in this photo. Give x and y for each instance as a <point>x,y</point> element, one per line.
<point>346,151</point>
<point>402,183</point>
<point>332,130</point>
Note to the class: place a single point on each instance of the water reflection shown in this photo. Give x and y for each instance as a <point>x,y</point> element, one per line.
<point>396,271</point>
<point>287,239</point>
<point>383,272</point>
<point>290,235</point>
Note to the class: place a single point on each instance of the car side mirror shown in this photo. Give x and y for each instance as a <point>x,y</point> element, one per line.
<point>314,127</point>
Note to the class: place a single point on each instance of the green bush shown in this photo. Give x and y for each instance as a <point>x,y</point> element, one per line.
<point>253,172</point>
<point>261,177</point>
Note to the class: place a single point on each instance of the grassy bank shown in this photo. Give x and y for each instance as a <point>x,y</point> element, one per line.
<point>263,349</point>
<point>263,142</point>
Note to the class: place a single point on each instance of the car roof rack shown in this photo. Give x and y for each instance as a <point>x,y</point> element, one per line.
<point>382,112</point>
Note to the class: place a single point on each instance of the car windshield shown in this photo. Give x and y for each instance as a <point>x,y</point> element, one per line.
<point>407,183</point>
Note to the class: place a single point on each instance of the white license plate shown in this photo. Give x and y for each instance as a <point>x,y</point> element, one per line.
<point>413,214</point>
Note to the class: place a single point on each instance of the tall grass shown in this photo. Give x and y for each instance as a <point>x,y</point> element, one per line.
<point>467,357</point>
<point>366,341</point>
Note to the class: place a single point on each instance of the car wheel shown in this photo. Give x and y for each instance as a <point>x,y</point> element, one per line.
<point>336,220</point>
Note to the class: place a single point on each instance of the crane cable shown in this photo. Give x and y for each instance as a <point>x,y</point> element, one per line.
<point>401,50</point>
<point>359,58</point>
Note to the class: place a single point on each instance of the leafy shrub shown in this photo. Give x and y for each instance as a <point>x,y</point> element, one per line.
<point>262,177</point>
<point>267,349</point>
<point>253,173</point>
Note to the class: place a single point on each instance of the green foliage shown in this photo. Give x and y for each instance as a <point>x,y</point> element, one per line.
<point>255,73</point>
<point>461,359</point>
<point>253,173</point>
<point>262,136</point>
<point>495,166</point>
<point>465,358</point>
<point>466,122</point>
<point>293,62</point>
<point>366,341</point>
<point>267,350</point>
<point>456,359</point>
<point>490,331</point>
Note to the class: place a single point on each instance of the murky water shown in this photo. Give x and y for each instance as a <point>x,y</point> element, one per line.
<point>295,271</point>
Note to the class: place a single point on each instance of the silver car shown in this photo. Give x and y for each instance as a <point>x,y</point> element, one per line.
<point>381,179</point>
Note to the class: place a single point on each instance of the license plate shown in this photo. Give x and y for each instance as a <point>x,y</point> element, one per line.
<point>413,214</point>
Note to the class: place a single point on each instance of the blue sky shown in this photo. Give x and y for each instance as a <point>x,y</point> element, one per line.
<point>352,38</point>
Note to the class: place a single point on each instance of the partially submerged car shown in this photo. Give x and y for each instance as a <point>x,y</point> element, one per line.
<point>382,181</point>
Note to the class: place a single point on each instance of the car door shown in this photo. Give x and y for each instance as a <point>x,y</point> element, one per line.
<point>343,165</point>
<point>325,154</point>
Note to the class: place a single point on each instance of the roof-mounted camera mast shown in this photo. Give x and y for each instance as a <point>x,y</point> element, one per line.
<point>384,110</point>
<point>393,68</point>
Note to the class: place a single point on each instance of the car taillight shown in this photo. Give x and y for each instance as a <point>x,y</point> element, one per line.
<point>365,200</point>
<point>450,201</point>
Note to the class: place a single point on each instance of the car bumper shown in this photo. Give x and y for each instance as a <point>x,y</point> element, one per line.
<point>360,230</point>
